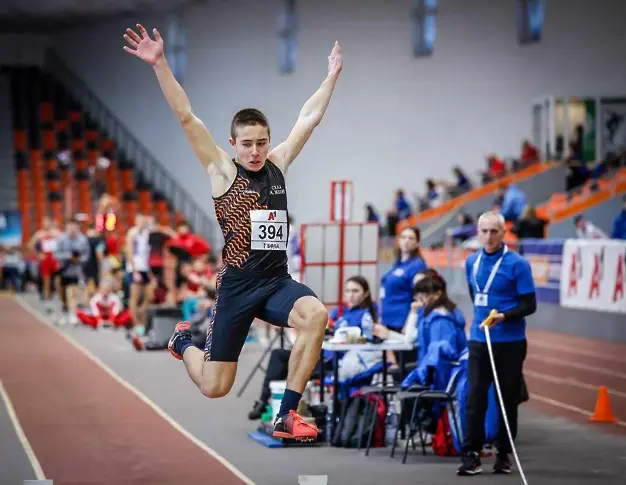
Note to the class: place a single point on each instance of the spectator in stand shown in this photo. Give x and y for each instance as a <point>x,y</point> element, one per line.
<point>401,211</point>
<point>496,168</point>
<point>465,230</point>
<point>462,184</point>
<point>370,214</point>
<point>402,207</point>
<point>619,225</point>
<point>577,172</point>
<point>530,225</point>
<point>529,155</point>
<point>588,230</point>
<point>435,193</point>
<point>513,203</point>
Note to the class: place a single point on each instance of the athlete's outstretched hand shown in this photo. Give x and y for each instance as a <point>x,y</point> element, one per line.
<point>144,47</point>
<point>335,61</point>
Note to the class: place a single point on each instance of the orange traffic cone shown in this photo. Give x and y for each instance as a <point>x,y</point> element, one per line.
<point>603,412</point>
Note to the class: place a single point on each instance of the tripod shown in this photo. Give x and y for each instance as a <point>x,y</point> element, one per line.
<point>259,365</point>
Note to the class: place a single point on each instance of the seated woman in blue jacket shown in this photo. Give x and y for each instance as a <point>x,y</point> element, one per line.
<point>440,337</point>
<point>358,310</point>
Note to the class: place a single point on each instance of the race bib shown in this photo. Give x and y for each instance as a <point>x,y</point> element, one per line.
<point>269,230</point>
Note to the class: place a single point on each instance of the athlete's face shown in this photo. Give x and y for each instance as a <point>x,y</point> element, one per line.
<point>251,146</point>
<point>490,233</point>
<point>354,294</point>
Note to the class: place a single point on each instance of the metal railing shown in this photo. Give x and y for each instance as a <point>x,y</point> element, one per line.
<point>145,162</point>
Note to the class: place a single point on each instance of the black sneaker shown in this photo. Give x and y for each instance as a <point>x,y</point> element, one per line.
<point>470,464</point>
<point>257,410</point>
<point>181,331</point>
<point>502,464</point>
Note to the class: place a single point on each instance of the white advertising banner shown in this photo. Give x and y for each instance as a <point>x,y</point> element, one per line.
<point>593,275</point>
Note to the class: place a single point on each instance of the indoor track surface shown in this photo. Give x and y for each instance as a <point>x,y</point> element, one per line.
<point>83,407</point>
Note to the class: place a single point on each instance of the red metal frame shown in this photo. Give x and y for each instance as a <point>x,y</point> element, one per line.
<point>341,262</point>
<point>344,184</point>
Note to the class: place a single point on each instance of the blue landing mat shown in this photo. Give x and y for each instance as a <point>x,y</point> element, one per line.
<point>265,440</point>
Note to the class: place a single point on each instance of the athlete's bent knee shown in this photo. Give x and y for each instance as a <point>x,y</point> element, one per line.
<point>317,319</point>
<point>214,390</point>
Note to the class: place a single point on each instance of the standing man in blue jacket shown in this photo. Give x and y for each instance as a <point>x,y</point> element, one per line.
<point>499,279</point>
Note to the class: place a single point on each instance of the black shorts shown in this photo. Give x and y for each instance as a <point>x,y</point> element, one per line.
<point>69,281</point>
<point>242,297</point>
<point>145,278</point>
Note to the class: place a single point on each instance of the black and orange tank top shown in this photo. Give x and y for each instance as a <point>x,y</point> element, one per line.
<point>253,217</point>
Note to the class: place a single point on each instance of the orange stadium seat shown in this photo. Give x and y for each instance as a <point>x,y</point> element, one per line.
<point>128,182</point>
<point>162,212</point>
<point>145,201</point>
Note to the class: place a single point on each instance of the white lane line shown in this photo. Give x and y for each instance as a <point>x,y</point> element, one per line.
<point>568,407</point>
<point>138,393</point>
<point>34,462</point>
<point>532,342</point>
<point>576,365</point>
<point>570,381</point>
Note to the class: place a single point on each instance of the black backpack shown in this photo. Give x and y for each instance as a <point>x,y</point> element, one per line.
<point>354,424</point>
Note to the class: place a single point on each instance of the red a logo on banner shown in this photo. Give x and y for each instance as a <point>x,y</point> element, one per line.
<point>595,277</point>
<point>271,216</point>
<point>573,277</point>
<point>619,280</point>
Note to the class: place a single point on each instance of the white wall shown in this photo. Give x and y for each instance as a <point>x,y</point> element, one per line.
<point>394,120</point>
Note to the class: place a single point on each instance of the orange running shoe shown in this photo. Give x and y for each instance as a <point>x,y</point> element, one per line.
<point>181,331</point>
<point>293,426</point>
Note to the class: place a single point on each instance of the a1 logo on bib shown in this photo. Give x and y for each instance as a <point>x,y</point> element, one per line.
<point>269,230</point>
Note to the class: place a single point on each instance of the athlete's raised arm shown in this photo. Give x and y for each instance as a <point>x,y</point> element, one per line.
<point>311,114</point>
<point>151,51</point>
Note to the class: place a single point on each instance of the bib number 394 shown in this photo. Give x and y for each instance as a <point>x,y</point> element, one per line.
<point>269,230</point>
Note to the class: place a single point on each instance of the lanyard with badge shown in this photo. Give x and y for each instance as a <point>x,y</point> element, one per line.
<point>480,298</point>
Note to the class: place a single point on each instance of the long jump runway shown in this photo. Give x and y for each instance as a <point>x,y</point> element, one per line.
<point>83,425</point>
<point>89,417</point>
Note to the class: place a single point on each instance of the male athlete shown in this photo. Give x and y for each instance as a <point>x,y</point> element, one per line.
<point>251,207</point>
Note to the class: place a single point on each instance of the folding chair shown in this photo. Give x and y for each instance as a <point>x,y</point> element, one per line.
<point>380,391</point>
<point>419,397</point>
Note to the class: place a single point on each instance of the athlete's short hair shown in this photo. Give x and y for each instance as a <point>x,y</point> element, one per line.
<point>248,117</point>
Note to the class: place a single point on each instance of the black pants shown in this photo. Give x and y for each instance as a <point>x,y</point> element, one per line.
<point>509,359</point>
<point>278,368</point>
